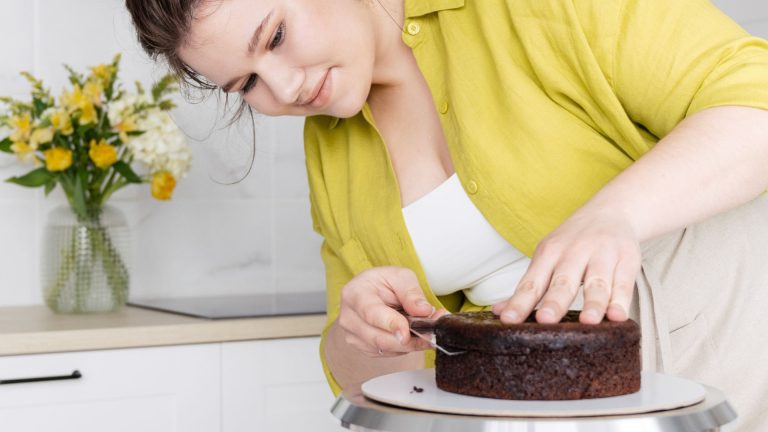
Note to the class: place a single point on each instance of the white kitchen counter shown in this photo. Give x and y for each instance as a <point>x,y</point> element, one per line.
<point>36,329</point>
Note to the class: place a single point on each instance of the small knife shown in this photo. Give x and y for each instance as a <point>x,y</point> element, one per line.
<point>424,328</point>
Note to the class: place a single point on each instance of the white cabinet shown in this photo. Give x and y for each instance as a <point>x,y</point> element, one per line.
<point>275,385</point>
<point>163,389</point>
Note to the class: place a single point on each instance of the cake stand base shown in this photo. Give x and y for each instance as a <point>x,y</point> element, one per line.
<point>358,413</point>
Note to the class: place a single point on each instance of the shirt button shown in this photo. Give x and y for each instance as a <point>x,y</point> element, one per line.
<point>413,28</point>
<point>443,108</point>
<point>472,187</point>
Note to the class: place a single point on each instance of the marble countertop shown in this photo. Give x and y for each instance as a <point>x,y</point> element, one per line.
<point>35,329</point>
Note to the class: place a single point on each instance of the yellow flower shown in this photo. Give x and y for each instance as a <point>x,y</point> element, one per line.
<point>72,101</point>
<point>24,152</point>
<point>22,127</point>
<point>92,92</point>
<point>41,136</point>
<point>88,114</point>
<point>103,73</point>
<point>61,121</point>
<point>58,159</point>
<point>128,124</point>
<point>102,154</point>
<point>163,184</point>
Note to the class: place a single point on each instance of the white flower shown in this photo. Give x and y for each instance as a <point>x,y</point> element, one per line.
<point>125,107</point>
<point>162,146</point>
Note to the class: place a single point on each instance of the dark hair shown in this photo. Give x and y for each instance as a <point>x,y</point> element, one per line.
<point>162,27</point>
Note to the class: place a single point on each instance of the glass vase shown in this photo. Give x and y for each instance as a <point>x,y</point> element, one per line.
<point>84,266</point>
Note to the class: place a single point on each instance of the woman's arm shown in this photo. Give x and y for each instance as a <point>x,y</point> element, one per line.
<point>712,161</point>
<point>349,365</point>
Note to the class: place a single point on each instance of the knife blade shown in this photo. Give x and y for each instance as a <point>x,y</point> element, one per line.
<point>424,328</point>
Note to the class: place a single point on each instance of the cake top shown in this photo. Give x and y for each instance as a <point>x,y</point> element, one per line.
<point>483,331</point>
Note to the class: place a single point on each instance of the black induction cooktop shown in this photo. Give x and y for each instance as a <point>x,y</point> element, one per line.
<point>238,306</point>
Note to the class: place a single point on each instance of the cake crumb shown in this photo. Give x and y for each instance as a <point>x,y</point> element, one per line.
<point>417,389</point>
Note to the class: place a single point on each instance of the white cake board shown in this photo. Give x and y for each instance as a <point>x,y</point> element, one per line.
<point>658,392</point>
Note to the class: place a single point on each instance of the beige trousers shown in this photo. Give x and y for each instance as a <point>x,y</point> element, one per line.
<point>701,300</point>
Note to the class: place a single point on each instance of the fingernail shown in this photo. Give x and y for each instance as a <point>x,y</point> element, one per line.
<point>510,315</point>
<point>619,308</point>
<point>547,312</point>
<point>399,337</point>
<point>422,302</point>
<point>592,313</point>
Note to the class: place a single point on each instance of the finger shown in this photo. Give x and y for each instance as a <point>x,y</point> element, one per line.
<point>562,290</point>
<point>528,292</point>
<point>499,307</point>
<point>406,288</point>
<point>598,281</point>
<point>623,288</point>
<point>374,339</point>
<point>378,315</point>
<point>559,296</point>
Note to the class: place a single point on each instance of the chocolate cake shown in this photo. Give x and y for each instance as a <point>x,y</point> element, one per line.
<point>532,361</point>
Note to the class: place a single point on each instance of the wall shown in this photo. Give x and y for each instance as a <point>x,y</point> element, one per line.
<point>254,236</point>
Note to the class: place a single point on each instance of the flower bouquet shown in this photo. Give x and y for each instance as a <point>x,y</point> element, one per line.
<point>93,140</point>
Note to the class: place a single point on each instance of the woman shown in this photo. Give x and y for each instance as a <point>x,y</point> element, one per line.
<point>620,145</point>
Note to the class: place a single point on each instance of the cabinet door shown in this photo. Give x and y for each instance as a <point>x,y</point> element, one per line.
<point>275,385</point>
<point>162,389</point>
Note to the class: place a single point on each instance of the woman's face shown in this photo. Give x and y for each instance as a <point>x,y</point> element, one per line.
<point>286,57</point>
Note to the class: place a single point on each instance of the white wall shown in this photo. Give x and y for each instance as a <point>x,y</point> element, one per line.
<point>254,236</point>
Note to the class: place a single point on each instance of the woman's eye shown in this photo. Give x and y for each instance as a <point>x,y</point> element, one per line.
<point>279,36</point>
<point>249,83</point>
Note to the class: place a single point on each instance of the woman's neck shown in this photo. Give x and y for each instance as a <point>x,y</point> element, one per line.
<point>392,54</point>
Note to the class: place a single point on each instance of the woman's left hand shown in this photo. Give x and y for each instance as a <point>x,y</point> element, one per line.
<point>596,247</point>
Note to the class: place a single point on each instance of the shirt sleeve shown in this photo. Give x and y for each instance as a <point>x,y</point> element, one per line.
<point>336,275</point>
<point>673,58</point>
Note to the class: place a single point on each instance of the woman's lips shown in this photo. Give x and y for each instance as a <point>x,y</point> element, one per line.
<point>323,92</point>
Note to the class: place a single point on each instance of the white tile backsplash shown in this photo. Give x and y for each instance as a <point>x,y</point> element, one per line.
<point>18,252</point>
<point>252,236</point>
<point>16,45</point>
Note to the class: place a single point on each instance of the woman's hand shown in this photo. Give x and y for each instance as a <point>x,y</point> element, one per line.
<point>368,314</point>
<point>596,247</point>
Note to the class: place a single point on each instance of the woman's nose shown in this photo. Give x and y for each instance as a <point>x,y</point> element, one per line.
<point>284,83</point>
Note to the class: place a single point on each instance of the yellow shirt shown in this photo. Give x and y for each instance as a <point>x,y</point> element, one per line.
<point>542,102</point>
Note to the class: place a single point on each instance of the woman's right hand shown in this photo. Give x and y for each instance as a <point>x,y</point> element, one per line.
<point>369,315</point>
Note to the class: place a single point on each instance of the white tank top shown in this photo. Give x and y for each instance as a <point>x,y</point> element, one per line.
<point>459,249</point>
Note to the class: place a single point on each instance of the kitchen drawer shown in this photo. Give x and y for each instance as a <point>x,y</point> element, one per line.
<point>275,385</point>
<point>161,389</point>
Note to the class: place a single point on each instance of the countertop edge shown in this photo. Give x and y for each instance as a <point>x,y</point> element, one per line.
<point>186,331</point>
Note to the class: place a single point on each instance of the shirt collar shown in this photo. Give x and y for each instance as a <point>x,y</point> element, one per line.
<point>415,8</point>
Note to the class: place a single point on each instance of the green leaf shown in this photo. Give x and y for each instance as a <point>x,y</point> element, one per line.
<point>161,87</point>
<point>74,76</point>
<point>127,172</point>
<point>51,185</point>
<point>167,105</point>
<point>78,198</point>
<point>34,178</point>
<point>5,145</point>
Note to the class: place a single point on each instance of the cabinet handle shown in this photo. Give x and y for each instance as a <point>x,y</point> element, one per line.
<point>75,375</point>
